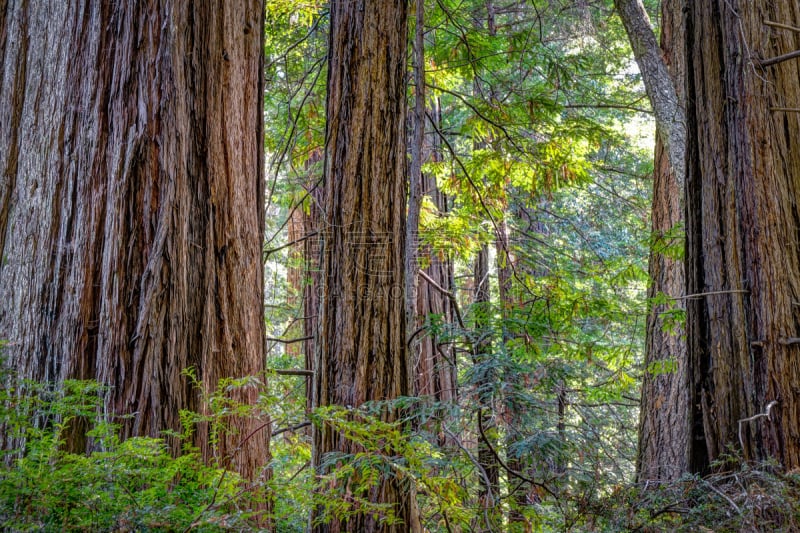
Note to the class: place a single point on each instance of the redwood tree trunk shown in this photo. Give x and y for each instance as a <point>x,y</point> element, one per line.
<point>312,222</point>
<point>743,255</point>
<point>362,353</point>
<point>486,376</point>
<point>131,202</point>
<point>435,368</point>
<point>664,413</point>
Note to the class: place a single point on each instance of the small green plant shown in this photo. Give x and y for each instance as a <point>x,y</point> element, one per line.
<point>132,484</point>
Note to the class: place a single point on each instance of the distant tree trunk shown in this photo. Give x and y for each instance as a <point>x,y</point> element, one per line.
<point>131,212</point>
<point>434,363</point>
<point>295,278</point>
<point>435,367</point>
<point>484,382</point>
<point>743,256</point>
<point>513,408</point>
<point>312,224</point>
<point>417,120</point>
<point>362,346</point>
<point>664,412</point>
<point>486,375</point>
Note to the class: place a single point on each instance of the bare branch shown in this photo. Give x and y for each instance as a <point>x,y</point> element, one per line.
<point>781,26</point>
<point>779,59</point>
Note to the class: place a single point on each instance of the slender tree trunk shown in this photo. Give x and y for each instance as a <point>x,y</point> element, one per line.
<point>312,223</point>
<point>435,367</point>
<point>362,347</point>
<point>131,213</point>
<point>518,493</point>
<point>658,81</point>
<point>295,278</point>
<point>664,412</point>
<point>489,491</point>
<point>484,382</point>
<point>743,256</point>
<point>415,173</point>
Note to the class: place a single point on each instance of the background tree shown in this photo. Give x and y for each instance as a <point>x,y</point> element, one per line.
<point>131,205</point>
<point>664,410</point>
<point>362,353</point>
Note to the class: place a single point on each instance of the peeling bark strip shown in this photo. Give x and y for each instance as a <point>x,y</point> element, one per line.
<point>362,353</point>
<point>743,182</point>
<point>131,202</point>
<point>665,100</point>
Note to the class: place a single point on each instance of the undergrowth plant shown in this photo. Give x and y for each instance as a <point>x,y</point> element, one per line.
<point>132,484</point>
<point>138,484</point>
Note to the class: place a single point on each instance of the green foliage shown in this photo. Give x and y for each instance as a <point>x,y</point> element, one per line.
<point>133,484</point>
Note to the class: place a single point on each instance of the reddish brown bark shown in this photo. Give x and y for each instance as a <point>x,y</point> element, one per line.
<point>362,353</point>
<point>131,203</point>
<point>664,413</point>
<point>435,364</point>
<point>743,253</point>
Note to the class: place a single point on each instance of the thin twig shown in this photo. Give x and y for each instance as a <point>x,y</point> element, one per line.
<point>295,427</point>
<point>267,253</point>
<point>766,414</point>
<point>290,341</point>
<point>781,26</point>
<point>733,504</point>
<point>291,372</point>
<point>710,293</point>
<point>508,469</point>
<point>447,293</point>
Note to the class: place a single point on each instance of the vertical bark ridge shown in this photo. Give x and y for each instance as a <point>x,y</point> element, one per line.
<point>664,413</point>
<point>744,169</point>
<point>135,225</point>
<point>362,352</point>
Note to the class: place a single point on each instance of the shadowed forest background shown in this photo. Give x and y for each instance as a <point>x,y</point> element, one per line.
<point>439,265</point>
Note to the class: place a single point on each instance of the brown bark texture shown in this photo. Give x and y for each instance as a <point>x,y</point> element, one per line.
<point>743,249</point>
<point>131,203</point>
<point>312,247</point>
<point>664,412</point>
<point>417,121</point>
<point>435,364</point>
<point>362,353</point>
<point>485,379</point>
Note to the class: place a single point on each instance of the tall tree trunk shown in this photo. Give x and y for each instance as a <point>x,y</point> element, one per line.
<point>514,410</point>
<point>415,173</point>
<point>664,412</point>
<point>362,347</point>
<point>659,82</point>
<point>435,367</point>
<point>312,223</point>
<point>131,212</point>
<point>743,256</point>
<point>484,382</point>
<point>486,376</point>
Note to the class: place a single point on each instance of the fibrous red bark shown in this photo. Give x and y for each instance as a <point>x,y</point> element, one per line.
<point>361,353</point>
<point>131,203</point>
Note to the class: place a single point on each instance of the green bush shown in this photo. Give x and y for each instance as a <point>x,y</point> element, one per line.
<point>134,484</point>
